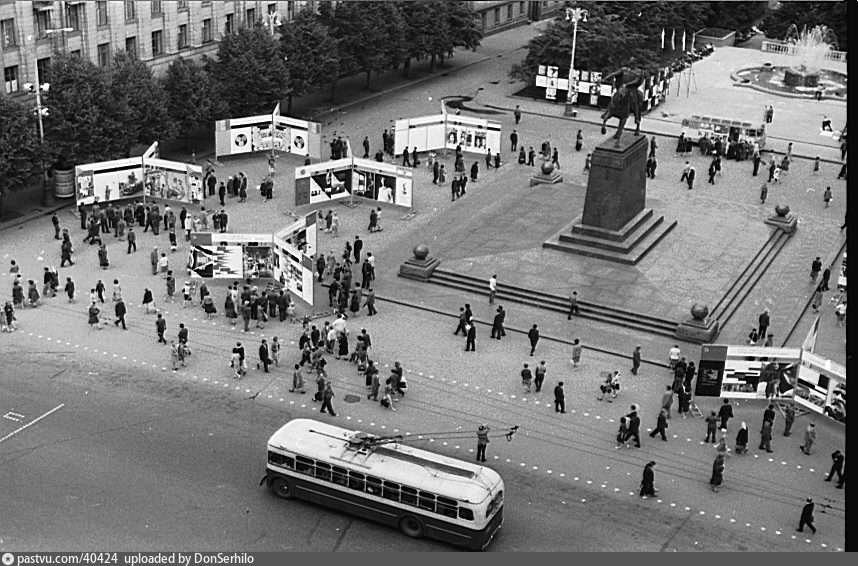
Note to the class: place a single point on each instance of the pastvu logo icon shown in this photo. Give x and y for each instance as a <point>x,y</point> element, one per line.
<point>8,559</point>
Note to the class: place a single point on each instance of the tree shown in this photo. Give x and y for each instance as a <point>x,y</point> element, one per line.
<point>463,28</point>
<point>831,14</point>
<point>83,126</point>
<point>142,102</point>
<point>19,146</point>
<point>311,53</point>
<point>188,93</point>
<point>370,36</point>
<point>425,29</point>
<point>250,75</point>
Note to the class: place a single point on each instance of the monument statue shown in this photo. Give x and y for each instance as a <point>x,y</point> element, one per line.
<point>627,99</point>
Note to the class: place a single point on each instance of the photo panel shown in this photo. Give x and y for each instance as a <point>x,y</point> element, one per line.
<point>109,180</point>
<point>323,182</point>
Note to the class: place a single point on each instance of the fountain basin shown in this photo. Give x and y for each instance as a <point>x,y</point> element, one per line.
<point>774,80</point>
<point>797,77</point>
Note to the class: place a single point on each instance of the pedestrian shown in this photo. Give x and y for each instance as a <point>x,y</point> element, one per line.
<point>297,380</point>
<point>539,377</point>
<point>725,413</point>
<point>683,398</point>
<point>482,442</point>
<point>576,352</point>
<point>605,385</point>
<point>809,439</point>
<point>711,427</point>
<point>579,141</point>
<point>816,164</point>
<point>837,459</point>
<point>648,481</point>
<point>7,319</point>
<point>264,357</point>
<point>764,320</point>
<point>475,171</point>
<point>119,310</point>
<point>815,268</point>
<point>238,361</point>
<point>634,427</point>
<point>772,167</point>
<point>559,398</point>
<point>717,473</point>
<point>245,314</point>
<point>493,288</point>
<point>69,289</point>
<point>497,323</point>
<point>690,179</point>
<point>526,378</point>
<point>327,396</point>
<point>766,437</point>
<point>94,318</point>
<point>742,439</point>
<point>712,171</point>
<point>636,359</point>
<point>621,433</point>
<point>667,400</point>
<point>764,193</point>
<point>789,419</point>
<point>554,159</point>
<point>513,141</point>
<point>470,342</point>
<point>160,328</point>
<point>817,299</point>
<point>807,517</point>
<point>533,336</point>
<point>56,222</point>
<point>661,425</point>
<point>573,305</point>
<point>685,171</point>
<point>103,262</point>
<point>776,176</point>
<point>517,114</point>
<point>826,277</point>
<point>370,302</point>
<point>148,301</point>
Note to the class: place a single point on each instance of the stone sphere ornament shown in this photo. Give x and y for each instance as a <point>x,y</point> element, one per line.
<point>699,311</point>
<point>782,210</point>
<point>547,167</point>
<point>421,251</point>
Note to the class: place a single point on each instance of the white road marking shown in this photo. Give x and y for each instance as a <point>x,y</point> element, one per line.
<point>31,423</point>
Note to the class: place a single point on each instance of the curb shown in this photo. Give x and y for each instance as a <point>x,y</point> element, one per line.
<point>23,219</point>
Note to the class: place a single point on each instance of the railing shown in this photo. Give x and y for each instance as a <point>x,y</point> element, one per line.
<point>786,49</point>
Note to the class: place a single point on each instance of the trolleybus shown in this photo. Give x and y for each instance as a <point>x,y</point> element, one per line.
<point>422,493</point>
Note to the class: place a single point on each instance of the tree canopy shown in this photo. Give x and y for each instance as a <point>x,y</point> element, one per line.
<point>311,53</point>
<point>188,91</point>
<point>19,145</point>
<point>831,14</point>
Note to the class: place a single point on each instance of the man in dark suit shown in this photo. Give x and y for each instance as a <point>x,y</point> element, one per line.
<point>559,398</point>
<point>470,343</point>
<point>497,323</point>
<point>807,516</point>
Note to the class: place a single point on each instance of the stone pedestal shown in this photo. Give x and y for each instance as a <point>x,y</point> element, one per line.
<point>782,219</point>
<point>699,329</point>
<point>547,175</point>
<point>616,224</point>
<point>419,267</point>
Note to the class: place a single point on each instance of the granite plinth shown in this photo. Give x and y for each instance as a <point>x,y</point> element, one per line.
<point>787,223</point>
<point>616,186</point>
<point>546,179</point>
<point>698,331</point>
<point>418,269</point>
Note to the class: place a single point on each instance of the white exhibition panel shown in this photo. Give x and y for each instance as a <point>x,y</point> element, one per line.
<point>109,180</point>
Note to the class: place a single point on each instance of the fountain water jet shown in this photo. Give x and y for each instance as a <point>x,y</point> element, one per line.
<point>810,48</point>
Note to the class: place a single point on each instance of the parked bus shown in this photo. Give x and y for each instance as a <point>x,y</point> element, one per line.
<point>733,130</point>
<point>421,493</point>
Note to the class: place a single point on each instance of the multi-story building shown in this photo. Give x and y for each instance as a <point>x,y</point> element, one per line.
<point>497,15</point>
<point>155,32</point>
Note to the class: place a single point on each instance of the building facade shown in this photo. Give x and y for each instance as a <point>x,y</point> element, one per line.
<point>155,32</point>
<point>497,15</point>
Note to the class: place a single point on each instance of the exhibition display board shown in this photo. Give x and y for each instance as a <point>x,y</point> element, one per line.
<point>267,132</point>
<point>232,256</point>
<point>821,386</point>
<point>747,372</point>
<point>172,180</point>
<point>382,182</point>
<point>323,182</point>
<point>588,90</point>
<point>446,131</point>
<point>294,248</point>
<point>109,180</point>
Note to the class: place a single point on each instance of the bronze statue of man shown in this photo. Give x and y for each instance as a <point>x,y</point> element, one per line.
<point>626,100</point>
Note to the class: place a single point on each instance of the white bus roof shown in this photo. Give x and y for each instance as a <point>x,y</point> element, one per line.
<point>400,463</point>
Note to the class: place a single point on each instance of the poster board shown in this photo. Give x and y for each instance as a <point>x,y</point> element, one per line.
<point>236,136</point>
<point>382,182</point>
<point>747,372</point>
<point>821,386</point>
<point>109,180</point>
<point>294,248</point>
<point>475,135</point>
<point>323,182</point>
<point>425,132</point>
<point>172,180</point>
<point>232,256</point>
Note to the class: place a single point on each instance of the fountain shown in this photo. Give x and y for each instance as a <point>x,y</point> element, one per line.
<point>810,48</point>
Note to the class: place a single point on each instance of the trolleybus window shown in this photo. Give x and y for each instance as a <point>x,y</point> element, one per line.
<point>373,485</point>
<point>391,491</point>
<point>426,501</point>
<point>409,496</point>
<point>466,514</point>
<point>340,476</point>
<point>305,465</point>
<point>447,507</point>
<point>323,471</point>
<point>356,481</point>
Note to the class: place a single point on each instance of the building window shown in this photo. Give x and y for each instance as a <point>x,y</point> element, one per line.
<point>251,17</point>
<point>131,47</point>
<point>156,7</point>
<point>497,15</point>
<point>207,30</point>
<point>7,33</point>
<point>101,13</point>
<point>521,8</point>
<point>180,5</point>
<point>183,36</point>
<point>157,43</point>
<point>484,18</point>
<point>272,8</point>
<point>130,10</point>
<point>290,10</point>
<point>10,77</point>
<point>103,54</point>
<point>43,22</point>
<point>229,26</point>
<point>75,53</point>
<point>43,66</point>
<point>509,15</point>
<point>73,16</point>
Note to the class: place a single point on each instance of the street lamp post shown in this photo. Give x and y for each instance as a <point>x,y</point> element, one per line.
<point>47,197</point>
<point>574,15</point>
